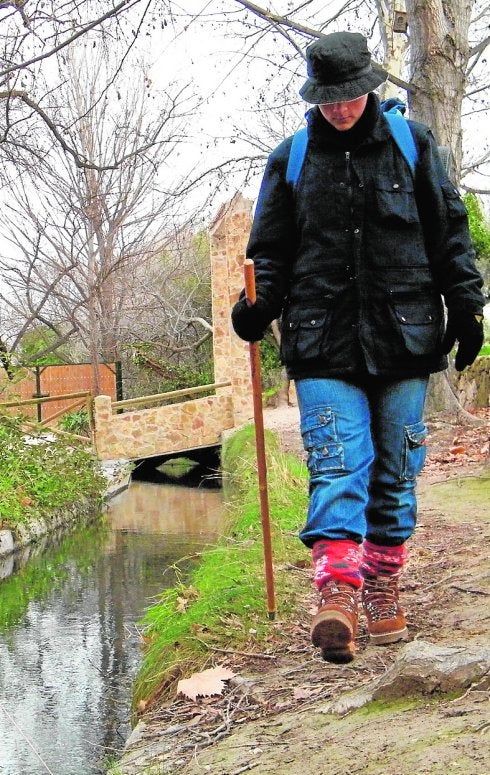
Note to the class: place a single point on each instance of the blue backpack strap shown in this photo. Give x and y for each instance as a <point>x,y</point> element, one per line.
<point>393,112</point>
<point>296,156</point>
<point>402,134</point>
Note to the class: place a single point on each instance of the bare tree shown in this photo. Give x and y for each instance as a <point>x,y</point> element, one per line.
<point>168,329</point>
<point>80,236</point>
<point>439,57</point>
<point>32,34</point>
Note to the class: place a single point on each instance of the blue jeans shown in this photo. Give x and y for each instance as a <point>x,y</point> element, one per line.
<point>366,445</point>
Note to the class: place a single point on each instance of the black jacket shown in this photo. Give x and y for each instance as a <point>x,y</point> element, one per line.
<point>356,258</point>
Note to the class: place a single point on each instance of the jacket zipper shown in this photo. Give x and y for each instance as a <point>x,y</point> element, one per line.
<point>355,268</point>
<point>348,177</point>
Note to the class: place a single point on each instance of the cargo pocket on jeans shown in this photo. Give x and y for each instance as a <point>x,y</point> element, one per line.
<point>320,440</point>
<point>414,451</point>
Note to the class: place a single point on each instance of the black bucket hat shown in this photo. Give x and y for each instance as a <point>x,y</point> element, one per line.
<point>340,69</point>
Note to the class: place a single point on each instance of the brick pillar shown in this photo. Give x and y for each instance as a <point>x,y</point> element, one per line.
<point>228,236</point>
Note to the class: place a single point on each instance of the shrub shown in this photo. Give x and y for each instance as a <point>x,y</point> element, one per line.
<point>38,475</point>
<point>76,422</point>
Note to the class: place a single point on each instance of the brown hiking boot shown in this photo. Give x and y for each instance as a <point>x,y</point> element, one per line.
<point>334,627</point>
<point>385,619</point>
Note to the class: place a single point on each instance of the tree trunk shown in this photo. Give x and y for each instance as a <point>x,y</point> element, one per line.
<point>439,52</point>
<point>442,400</point>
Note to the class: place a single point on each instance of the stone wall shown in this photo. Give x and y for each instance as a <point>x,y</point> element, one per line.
<point>198,422</point>
<point>229,235</point>
<point>161,429</point>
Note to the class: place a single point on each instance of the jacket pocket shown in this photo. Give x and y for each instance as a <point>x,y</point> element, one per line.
<point>303,337</point>
<point>454,203</point>
<point>395,202</point>
<point>420,326</point>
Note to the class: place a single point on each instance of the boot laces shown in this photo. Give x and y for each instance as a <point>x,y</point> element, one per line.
<point>380,597</point>
<point>341,594</point>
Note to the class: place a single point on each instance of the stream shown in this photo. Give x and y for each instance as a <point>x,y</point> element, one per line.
<point>70,642</point>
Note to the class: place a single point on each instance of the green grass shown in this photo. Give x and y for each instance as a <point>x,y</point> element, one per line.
<point>37,478</point>
<point>223,604</point>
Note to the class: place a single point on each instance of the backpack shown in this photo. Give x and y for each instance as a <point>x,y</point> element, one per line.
<point>393,111</point>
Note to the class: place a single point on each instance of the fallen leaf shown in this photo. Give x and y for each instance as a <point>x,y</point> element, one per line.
<point>457,450</point>
<point>281,705</point>
<point>206,683</point>
<point>181,605</point>
<point>211,713</point>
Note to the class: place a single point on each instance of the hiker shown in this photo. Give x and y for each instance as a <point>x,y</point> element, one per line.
<point>354,257</point>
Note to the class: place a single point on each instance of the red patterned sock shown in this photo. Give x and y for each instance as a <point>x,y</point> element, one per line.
<point>336,559</point>
<point>382,560</point>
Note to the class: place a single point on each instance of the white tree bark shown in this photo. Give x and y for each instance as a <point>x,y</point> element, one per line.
<point>395,45</point>
<point>439,52</point>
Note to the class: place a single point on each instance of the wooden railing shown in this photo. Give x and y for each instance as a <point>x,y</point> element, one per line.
<point>84,397</point>
<point>157,397</point>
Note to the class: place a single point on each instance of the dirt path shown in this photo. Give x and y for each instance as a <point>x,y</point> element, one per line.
<point>275,717</point>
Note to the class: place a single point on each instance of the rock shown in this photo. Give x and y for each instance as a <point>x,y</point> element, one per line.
<point>136,735</point>
<point>118,475</point>
<point>6,542</point>
<point>346,703</point>
<point>422,668</point>
<point>6,566</point>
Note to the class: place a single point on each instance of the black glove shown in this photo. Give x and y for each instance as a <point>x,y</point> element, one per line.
<point>467,328</point>
<point>249,322</point>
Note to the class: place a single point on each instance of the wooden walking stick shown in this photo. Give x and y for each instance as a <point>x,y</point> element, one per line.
<point>260,445</point>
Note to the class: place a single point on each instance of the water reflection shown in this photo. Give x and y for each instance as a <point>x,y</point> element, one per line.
<point>177,513</point>
<point>181,471</point>
<point>69,645</point>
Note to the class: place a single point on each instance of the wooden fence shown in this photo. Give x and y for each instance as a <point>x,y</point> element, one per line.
<point>46,381</point>
<point>81,399</point>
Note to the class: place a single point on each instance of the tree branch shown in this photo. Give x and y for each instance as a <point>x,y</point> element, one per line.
<point>284,21</point>
<point>21,95</point>
<point>27,63</point>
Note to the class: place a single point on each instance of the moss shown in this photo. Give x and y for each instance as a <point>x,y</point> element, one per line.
<point>383,707</point>
<point>464,498</point>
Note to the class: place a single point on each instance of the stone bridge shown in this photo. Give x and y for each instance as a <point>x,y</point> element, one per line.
<point>195,424</point>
